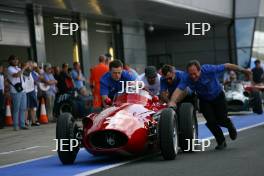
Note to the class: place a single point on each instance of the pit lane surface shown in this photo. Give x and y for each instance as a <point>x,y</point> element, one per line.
<point>242,157</point>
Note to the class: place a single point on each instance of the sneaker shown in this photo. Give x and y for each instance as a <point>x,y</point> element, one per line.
<point>221,146</point>
<point>35,124</point>
<point>232,132</point>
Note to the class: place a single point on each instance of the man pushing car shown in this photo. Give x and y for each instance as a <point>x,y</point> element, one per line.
<point>205,82</point>
<point>112,82</point>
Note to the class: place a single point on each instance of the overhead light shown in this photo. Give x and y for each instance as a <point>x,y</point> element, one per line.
<point>103,31</point>
<point>111,51</point>
<point>151,28</point>
<point>103,24</point>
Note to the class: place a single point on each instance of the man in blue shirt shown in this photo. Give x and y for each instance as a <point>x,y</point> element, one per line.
<point>204,81</point>
<point>111,82</point>
<point>169,81</point>
<point>78,79</point>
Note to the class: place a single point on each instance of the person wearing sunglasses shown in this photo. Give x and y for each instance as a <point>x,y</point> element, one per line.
<point>169,82</point>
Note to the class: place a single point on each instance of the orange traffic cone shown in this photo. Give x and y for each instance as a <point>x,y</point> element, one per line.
<point>8,118</point>
<point>43,114</point>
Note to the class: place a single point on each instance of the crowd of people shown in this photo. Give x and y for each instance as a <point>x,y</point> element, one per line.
<point>25,83</point>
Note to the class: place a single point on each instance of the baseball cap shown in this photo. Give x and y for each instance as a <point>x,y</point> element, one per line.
<point>150,72</point>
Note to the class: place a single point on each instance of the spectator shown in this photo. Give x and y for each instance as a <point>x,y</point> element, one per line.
<point>56,72</point>
<point>19,98</point>
<point>96,73</point>
<point>65,82</point>
<point>29,87</point>
<point>257,72</point>
<point>78,78</point>
<point>50,94</point>
<point>2,105</point>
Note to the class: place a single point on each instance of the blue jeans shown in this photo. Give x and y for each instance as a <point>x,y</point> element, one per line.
<point>19,102</point>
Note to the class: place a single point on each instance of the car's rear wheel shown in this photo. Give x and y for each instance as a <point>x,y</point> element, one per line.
<point>168,134</point>
<point>256,102</point>
<point>69,107</point>
<point>188,127</point>
<point>65,107</point>
<point>66,129</point>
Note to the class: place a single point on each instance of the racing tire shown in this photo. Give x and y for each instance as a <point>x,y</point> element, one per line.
<point>256,102</point>
<point>168,134</point>
<point>66,129</point>
<point>188,127</point>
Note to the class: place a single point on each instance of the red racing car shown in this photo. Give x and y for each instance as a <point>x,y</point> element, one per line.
<point>134,123</point>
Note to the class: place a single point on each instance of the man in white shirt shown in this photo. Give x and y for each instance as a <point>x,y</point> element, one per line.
<point>29,87</point>
<point>19,99</point>
<point>151,80</point>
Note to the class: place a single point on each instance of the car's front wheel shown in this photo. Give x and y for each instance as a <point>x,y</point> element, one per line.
<point>66,132</point>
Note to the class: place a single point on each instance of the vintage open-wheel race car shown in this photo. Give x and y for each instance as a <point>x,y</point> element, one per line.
<point>243,96</point>
<point>134,124</point>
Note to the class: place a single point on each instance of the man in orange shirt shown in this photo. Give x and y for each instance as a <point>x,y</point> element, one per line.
<point>96,73</point>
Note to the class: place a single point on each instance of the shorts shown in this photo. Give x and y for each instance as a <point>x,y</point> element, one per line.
<point>32,101</point>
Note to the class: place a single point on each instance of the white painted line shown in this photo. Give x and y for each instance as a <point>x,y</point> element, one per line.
<point>23,149</point>
<point>251,126</point>
<point>27,161</point>
<point>126,162</point>
<point>102,169</point>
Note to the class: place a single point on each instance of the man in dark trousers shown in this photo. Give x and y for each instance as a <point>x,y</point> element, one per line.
<point>205,82</point>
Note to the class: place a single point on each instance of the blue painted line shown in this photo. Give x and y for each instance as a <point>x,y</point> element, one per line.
<point>240,122</point>
<point>87,162</point>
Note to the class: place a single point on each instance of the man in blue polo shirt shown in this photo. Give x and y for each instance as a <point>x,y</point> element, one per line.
<point>111,82</point>
<point>204,81</point>
<point>169,81</point>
